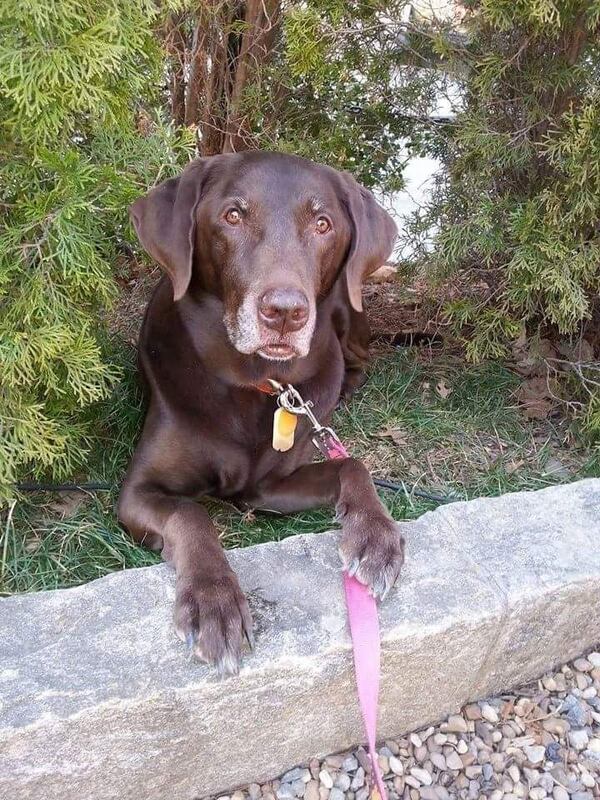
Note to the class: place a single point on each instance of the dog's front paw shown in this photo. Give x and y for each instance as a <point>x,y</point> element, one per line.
<point>212,616</point>
<point>372,550</point>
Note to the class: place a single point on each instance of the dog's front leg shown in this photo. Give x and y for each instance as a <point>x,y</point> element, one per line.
<point>371,546</point>
<point>211,612</point>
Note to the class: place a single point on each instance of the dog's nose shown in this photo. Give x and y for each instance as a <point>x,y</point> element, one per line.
<point>284,310</point>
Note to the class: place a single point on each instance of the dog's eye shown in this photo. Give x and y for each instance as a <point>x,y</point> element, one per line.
<point>323,225</point>
<point>233,216</point>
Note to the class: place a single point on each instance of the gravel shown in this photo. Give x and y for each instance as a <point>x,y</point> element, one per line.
<point>541,742</point>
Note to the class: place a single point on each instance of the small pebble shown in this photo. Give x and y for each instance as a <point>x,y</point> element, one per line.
<point>456,724</point>
<point>311,790</point>
<point>514,773</point>
<point>336,794</point>
<point>285,792</point>
<point>554,752</point>
<point>396,766</point>
<point>412,781</point>
<point>489,712</point>
<point>358,781</point>
<point>588,780</point>
<point>438,760</point>
<point>582,664</point>
<point>535,753</point>
<point>537,793</point>
<point>454,761</point>
<point>579,739</point>
<point>342,782</point>
<point>326,779</point>
<point>349,764</point>
<point>415,739</point>
<point>421,753</point>
<point>422,776</point>
<point>556,725</point>
<point>575,711</point>
<point>558,793</point>
<point>472,711</point>
<point>291,776</point>
<point>594,659</point>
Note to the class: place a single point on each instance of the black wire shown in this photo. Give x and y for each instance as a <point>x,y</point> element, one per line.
<point>406,488</point>
<point>409,489</point>
<point>63,487</point>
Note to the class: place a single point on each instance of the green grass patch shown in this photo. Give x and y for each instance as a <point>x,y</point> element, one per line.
<point>443,426</point>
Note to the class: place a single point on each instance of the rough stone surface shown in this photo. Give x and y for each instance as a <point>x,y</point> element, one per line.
<point>98,699</point>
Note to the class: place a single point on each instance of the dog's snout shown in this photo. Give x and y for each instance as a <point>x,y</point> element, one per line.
<point>285,309</point>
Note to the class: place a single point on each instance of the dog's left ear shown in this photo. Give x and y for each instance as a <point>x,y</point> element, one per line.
<point>165,222</point>
<point>373,235</point>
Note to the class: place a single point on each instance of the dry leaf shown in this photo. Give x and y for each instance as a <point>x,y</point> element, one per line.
<point>397,435</point>
<point>535,397</point>
<point>443,390</point>
<point>384,274</point>
<point>68,503</point>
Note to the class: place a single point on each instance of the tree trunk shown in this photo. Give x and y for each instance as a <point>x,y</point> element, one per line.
<point>261,19</point>
<point>232,39</point>
<point>175,46</point>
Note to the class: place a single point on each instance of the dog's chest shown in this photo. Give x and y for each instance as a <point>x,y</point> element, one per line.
<point>249,457</point>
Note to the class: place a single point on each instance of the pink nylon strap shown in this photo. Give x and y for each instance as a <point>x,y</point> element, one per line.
<point>364,630</point>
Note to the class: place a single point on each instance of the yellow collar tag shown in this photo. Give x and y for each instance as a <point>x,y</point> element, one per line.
<point>284,428</point>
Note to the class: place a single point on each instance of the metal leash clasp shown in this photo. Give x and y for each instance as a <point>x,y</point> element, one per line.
<point>289,398</point>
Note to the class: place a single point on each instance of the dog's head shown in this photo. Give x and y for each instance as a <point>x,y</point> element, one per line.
<point>268,234</point>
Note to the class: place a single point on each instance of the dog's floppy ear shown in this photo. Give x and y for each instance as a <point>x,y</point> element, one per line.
<point>165,222</point>
<point>373,235</point>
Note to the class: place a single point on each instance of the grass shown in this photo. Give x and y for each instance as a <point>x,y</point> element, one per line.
<point>437,423</point>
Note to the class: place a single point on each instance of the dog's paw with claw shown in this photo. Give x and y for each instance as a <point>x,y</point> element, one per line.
<point>213,618</point>
<point>372,550</point>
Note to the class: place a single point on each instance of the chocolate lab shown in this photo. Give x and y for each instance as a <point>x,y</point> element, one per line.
<point>265,254</point>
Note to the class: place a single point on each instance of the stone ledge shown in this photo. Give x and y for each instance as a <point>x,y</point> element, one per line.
<point>98,700</point>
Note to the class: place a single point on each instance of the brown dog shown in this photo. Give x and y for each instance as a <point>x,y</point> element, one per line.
<point>266,254</point>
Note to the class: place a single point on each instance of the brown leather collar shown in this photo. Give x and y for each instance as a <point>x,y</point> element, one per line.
<point>264,387</point>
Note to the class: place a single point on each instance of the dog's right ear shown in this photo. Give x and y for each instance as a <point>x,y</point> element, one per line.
<point>165,222</point>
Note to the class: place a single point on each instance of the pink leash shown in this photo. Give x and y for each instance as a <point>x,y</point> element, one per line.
<point>364,630</point>
<point>362,607</point>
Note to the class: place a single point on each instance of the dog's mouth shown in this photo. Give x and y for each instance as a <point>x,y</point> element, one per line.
<point>277,352</point>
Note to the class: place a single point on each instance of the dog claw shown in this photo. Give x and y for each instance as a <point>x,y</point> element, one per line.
<point>249,638</point>
<point>190,640</point>
<point>228,665</point>
<point>353,567</point>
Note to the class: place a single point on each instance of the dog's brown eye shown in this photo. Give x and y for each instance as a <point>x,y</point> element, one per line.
<point>233,216</point>
<point>323,225</point>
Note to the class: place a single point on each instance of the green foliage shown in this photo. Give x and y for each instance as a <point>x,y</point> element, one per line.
<point>516,214</point>
<point>339,89</point>
<point>72,158</point>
